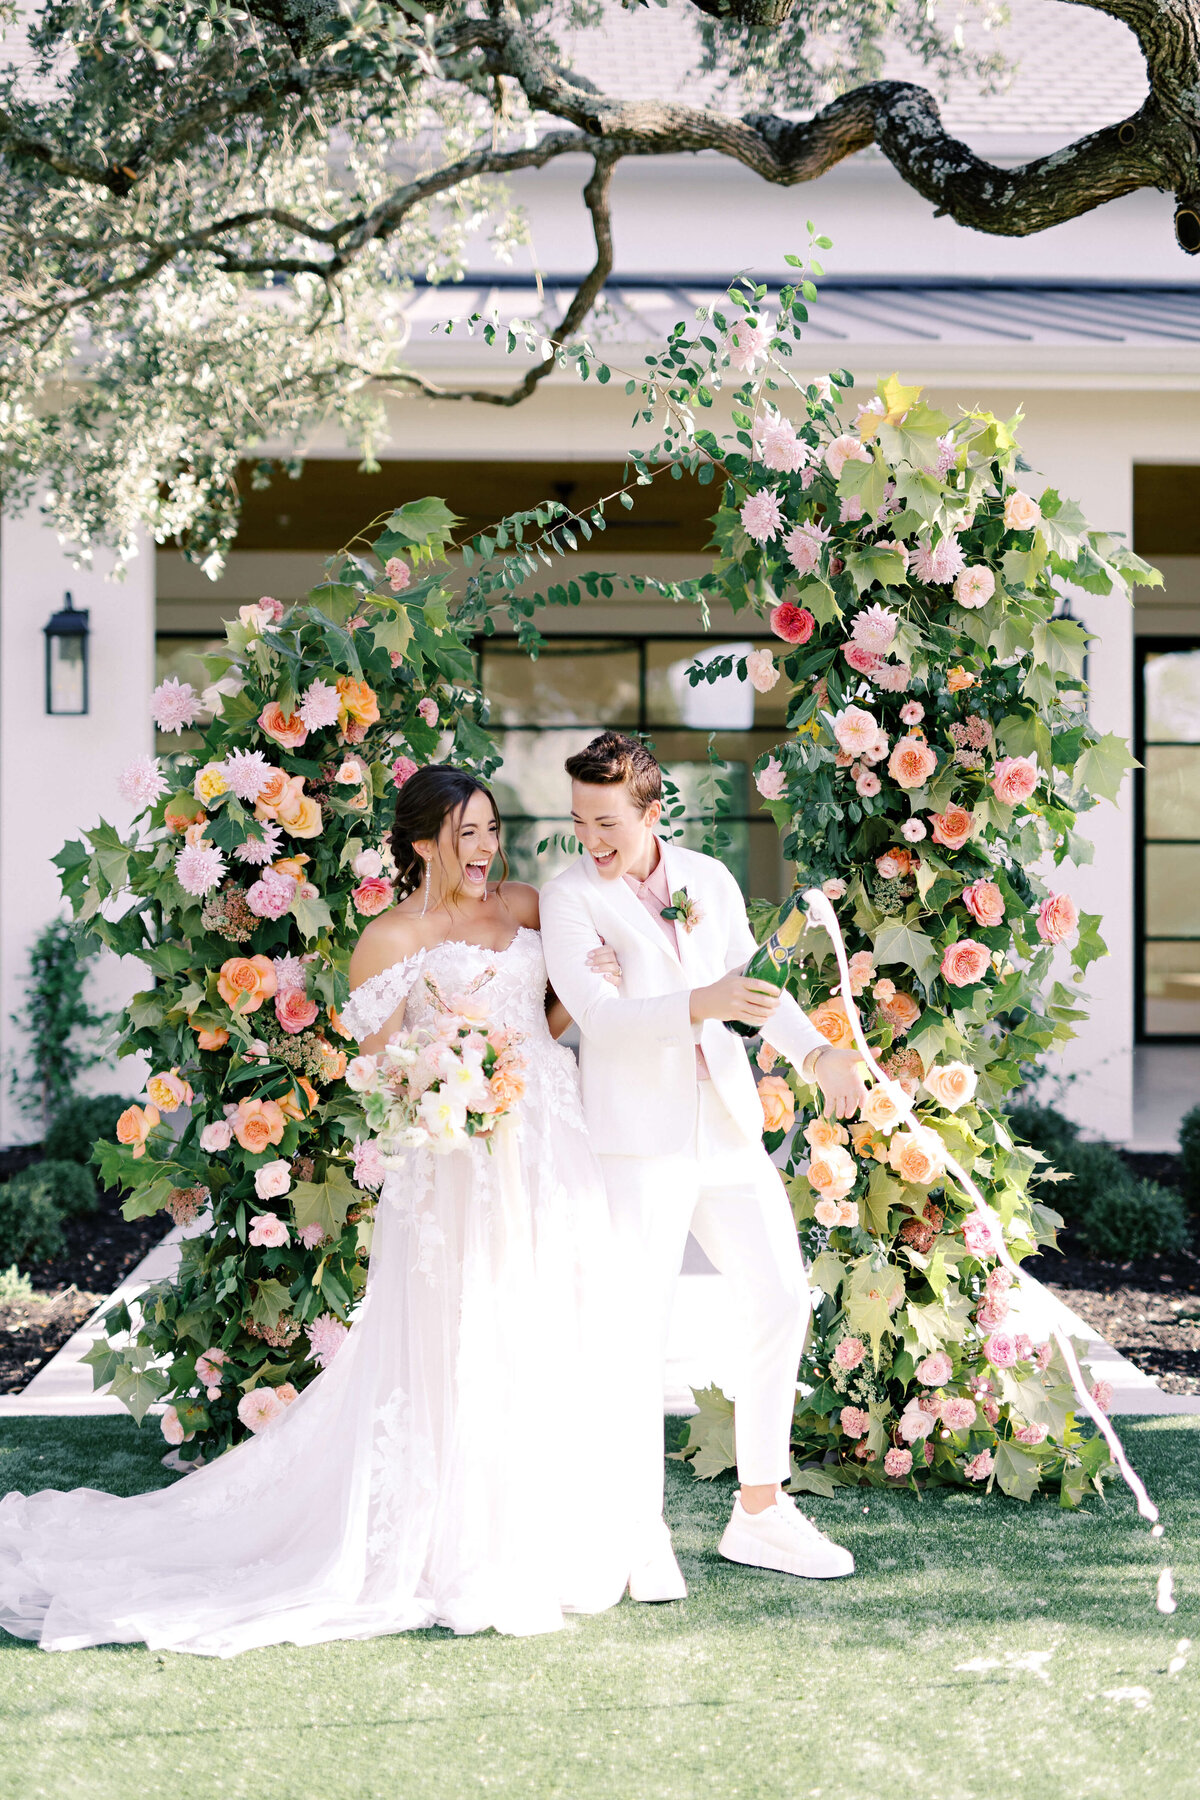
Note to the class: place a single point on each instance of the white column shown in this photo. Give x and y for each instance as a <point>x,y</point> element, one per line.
<point>58,775</point>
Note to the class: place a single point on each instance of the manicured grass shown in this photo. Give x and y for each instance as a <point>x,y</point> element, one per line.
<point>985,1651</point>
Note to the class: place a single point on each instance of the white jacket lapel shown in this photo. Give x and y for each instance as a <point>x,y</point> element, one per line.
<point>690,954</point>
<point>621,896</point>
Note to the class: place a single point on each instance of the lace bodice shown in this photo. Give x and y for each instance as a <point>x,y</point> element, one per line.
<point>509,985</point>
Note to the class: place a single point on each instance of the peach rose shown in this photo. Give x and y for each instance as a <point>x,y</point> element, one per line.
<point>778,1103</point>
<point>352,773</point>
<point>831,1021</point>
<point>896,861</point>
<point>288,731</point>
<point>257,1123</point>
<point>1021,513</point>
<point>275,789</point>
<point>135,1125</point>
<point>855,730</point>
<point>291,1108</point>
<point>182,810</point>
<point>1057,918</point>
<point>295,1011</point>
<point>899,1009</point>
<point>881,1110</point>
<point>211,1039</point>
<point>912,762</point>
<point>827,1213</point>
<point>953,828</point>
<point>867,1142</point>
<point>985,903</point>
<point>916,1157</point>
<point>507,1084</point>
<point>299,814</point>
<point>333,1062</point>
<point>862,972</point>
<point>951,1084</point>
<point>820,1133</point>
<point>372,896</point>
<point>832,1173</point>
<point>965,962</point>
<point>958,678</point>
<point>210,782</point>
<point>358,703</point>
<point>169,1092</point>
<point>1014,779</point>
<point>244,982</point>
<point>291,865</point>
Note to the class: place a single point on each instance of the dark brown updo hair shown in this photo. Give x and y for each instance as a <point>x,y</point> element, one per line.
<point>423,805</point>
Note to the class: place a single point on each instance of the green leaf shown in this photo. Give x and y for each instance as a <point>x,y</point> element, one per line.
<point>819,598</point>
<point>1022,567</point>
<point>827,1273</point>
<point>1063,525</point>
<point>865,481</point>
<point>915,439</point>
<point>149,1198</point>
<point>868,1298</point>
<point>1047,1400</point>
<point>1061,645</point>
<point>138,1389</point>
<point>103,1361</point>
<point>709,1446</point>
<point>311,916</point>
<point>900,943</point>
<point>395,633</point>
<point>1089,946</point>
<point>324,1203</point>
<point>1018,1470</point>
<point>811,1479</point>
<point>883,1192</point>
<point>1103,767</point>
<point>271,1299</point>
<point>943,1321</point>
<point>874,564</point>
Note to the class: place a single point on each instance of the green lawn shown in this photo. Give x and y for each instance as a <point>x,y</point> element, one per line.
<point>985,1649</point>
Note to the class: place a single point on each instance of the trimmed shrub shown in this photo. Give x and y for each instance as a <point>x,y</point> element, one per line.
<point>1189,1155</point>
<point>72,1189</point>
<point>76,1129</point>
<point>30,1222</point>
<point>1135,1219</point>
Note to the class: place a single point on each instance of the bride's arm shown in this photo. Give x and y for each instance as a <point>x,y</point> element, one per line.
<point>386,944</point>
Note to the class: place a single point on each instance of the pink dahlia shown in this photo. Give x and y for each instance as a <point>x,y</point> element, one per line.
<point>855,1422</point>
<point>779,447</point>
<point>1102,1394</point>
<point>761,516</point>
<point>804,545</point>
<point>893,678</point>
<point>938,563</point>
<point>864,662</point>
<point>257,851</point>
<point>258,1408</point>
<point>897,1462</point>
<point>141,782</point>
<point>174,704</point>
<point>978,1235</point>
<point>747,343</point>
<point>289,974</point>
<point>199,868</point>
<point>979,1467</point>
<point>247,773</point>
<point>874,628</point>
<point>851,510</point>
<point>319,707</point>
<point>326,1335</point>
<point>369,1167</point>
<point>1058,918</point>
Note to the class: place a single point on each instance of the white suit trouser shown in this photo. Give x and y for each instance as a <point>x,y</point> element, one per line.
<point>728,1193</point>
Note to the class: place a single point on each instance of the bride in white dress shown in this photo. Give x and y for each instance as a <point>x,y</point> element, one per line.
<point>436,1472</point>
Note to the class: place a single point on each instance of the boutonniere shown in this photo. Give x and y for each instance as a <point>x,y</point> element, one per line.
<point>684,909</point>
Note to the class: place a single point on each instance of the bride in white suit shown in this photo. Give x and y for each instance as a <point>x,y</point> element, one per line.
<point>673,1113</point>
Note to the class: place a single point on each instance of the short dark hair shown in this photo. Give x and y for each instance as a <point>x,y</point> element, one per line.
<point>613,760</point>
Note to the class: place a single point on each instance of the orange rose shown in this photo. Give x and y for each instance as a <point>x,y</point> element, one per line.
<point>135,1125</point>
<point>301,818</point>
<point>901,1012</point>
<point>291,865</point>
<point>215,1039</point>
<point>881,1110</point>
<point>953,827</point>
<point>958,678</point>
<point>951,1084</point>
<point>507,1084</point>
<point>831,1021</point>
<point>288,731</point>
<point>245,982</point>
<point>832,1172</point>
<point>358,702</point>
<point>257,1123</point>
<point>274,789</point>
<point>778,1103</point>
<point>335,1019</point>
<point>820,1133</point>
<point>290,1106</point>
<point>867,1142</point>
<point>333,1062</point>
<point>916,1158</point>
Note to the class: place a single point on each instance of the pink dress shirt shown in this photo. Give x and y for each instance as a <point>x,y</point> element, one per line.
<point>654,894</point>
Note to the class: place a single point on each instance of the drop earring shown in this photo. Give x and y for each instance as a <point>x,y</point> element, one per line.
<point>428,868</point>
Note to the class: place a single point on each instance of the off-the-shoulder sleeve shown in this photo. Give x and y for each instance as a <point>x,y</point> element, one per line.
<point>373,1003</point>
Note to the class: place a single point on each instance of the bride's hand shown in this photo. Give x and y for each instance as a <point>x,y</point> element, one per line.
<point>604,962</point>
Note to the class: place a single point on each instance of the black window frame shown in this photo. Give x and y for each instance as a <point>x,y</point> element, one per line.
<point>1144,647</point>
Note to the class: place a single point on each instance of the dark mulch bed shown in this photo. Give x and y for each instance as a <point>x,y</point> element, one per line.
<point>1142,1309</point>
<point>101,1250</point>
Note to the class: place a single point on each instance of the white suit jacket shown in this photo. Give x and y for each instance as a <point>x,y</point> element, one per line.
<point>637,1057</point>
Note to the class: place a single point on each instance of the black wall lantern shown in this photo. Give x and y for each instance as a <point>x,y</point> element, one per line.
<point>67,660</point>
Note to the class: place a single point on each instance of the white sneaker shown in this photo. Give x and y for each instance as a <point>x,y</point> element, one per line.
<point>657,1576</point>
<point>782,1538</point>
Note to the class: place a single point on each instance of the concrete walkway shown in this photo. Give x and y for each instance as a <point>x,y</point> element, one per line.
<point>698,1354</point>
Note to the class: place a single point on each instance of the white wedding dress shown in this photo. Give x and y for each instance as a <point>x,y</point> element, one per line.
<point>437,1472</point>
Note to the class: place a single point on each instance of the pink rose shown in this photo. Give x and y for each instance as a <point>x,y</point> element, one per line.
<point>915,1422</point>
<point>794,624</point>
<point>978,1235</point>
<point>862,661</point>
<point>772,780</point>
<point>428,710</point>
<point>398,573</point>
<point>1021,512</point>
<point>217,1136</point>
<point>912,762</point>
<point>368,863</point>
<point>761,671</point>
<point>272,895</point>
<point>844,449</point>
<point>1000,1349</point>
<point>936,1370</point>
<point>848,1353</point>
<point>965,963</point>
<point>353,772</point>
<point>172,1429</point>
<point>360,1074</point>
<point>985,903</point>
<point>912,712</point>
<point>257,1408</point>
<point>403,769</point>
<point>868,784</point>
<point>311,1235</point>
<point>897,1462</point>
<point>372,896</point>
<point>855,1422</point>
<point>912,831</point>
<point>855,729</point>
<point>1058,918</point>
<point>1014,779</point>
<point>953,828</point>
<point>975,586</point>
<point>295,1011</point>
<point>834,888</point>
<point>268,1232</point>
<point>272,1182</point>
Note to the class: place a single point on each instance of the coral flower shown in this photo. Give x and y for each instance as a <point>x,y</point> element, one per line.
<point>215,1039</point>
<point>244,982</point>
<point>295,1011</point>
<point>778,1103</point>
<point>855,729</point>
<point>953,828</point>
<point>881,1110</point>
<point>898,1008</point>
<point>832,1022</point>
<point>257,1123</point>
<point>134,1127</point>
<point>372,896</point>
<point>287,729</point>
<point>965,963</point>
<point>832,1172</point>
<point>794,624</point>
<point>985,903</point>
<point>1057,918</point>
<point>1014,779</point>
<point>359,704</point>
<point>912,762</point>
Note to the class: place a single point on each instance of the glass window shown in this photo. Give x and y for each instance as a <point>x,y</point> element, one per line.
<point>1172,783</point>
<point>1169,809</point>
<point>727,703</point>
<point>1172,1003</point>
<point>592,682</point>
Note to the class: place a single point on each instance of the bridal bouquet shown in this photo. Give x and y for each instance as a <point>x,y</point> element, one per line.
<point>437,1089</point>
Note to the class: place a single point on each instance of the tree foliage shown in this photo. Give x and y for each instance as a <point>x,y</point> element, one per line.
<point>210,212</point>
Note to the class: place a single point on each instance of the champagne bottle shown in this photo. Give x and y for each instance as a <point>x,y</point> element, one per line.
<point>772,960</point>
